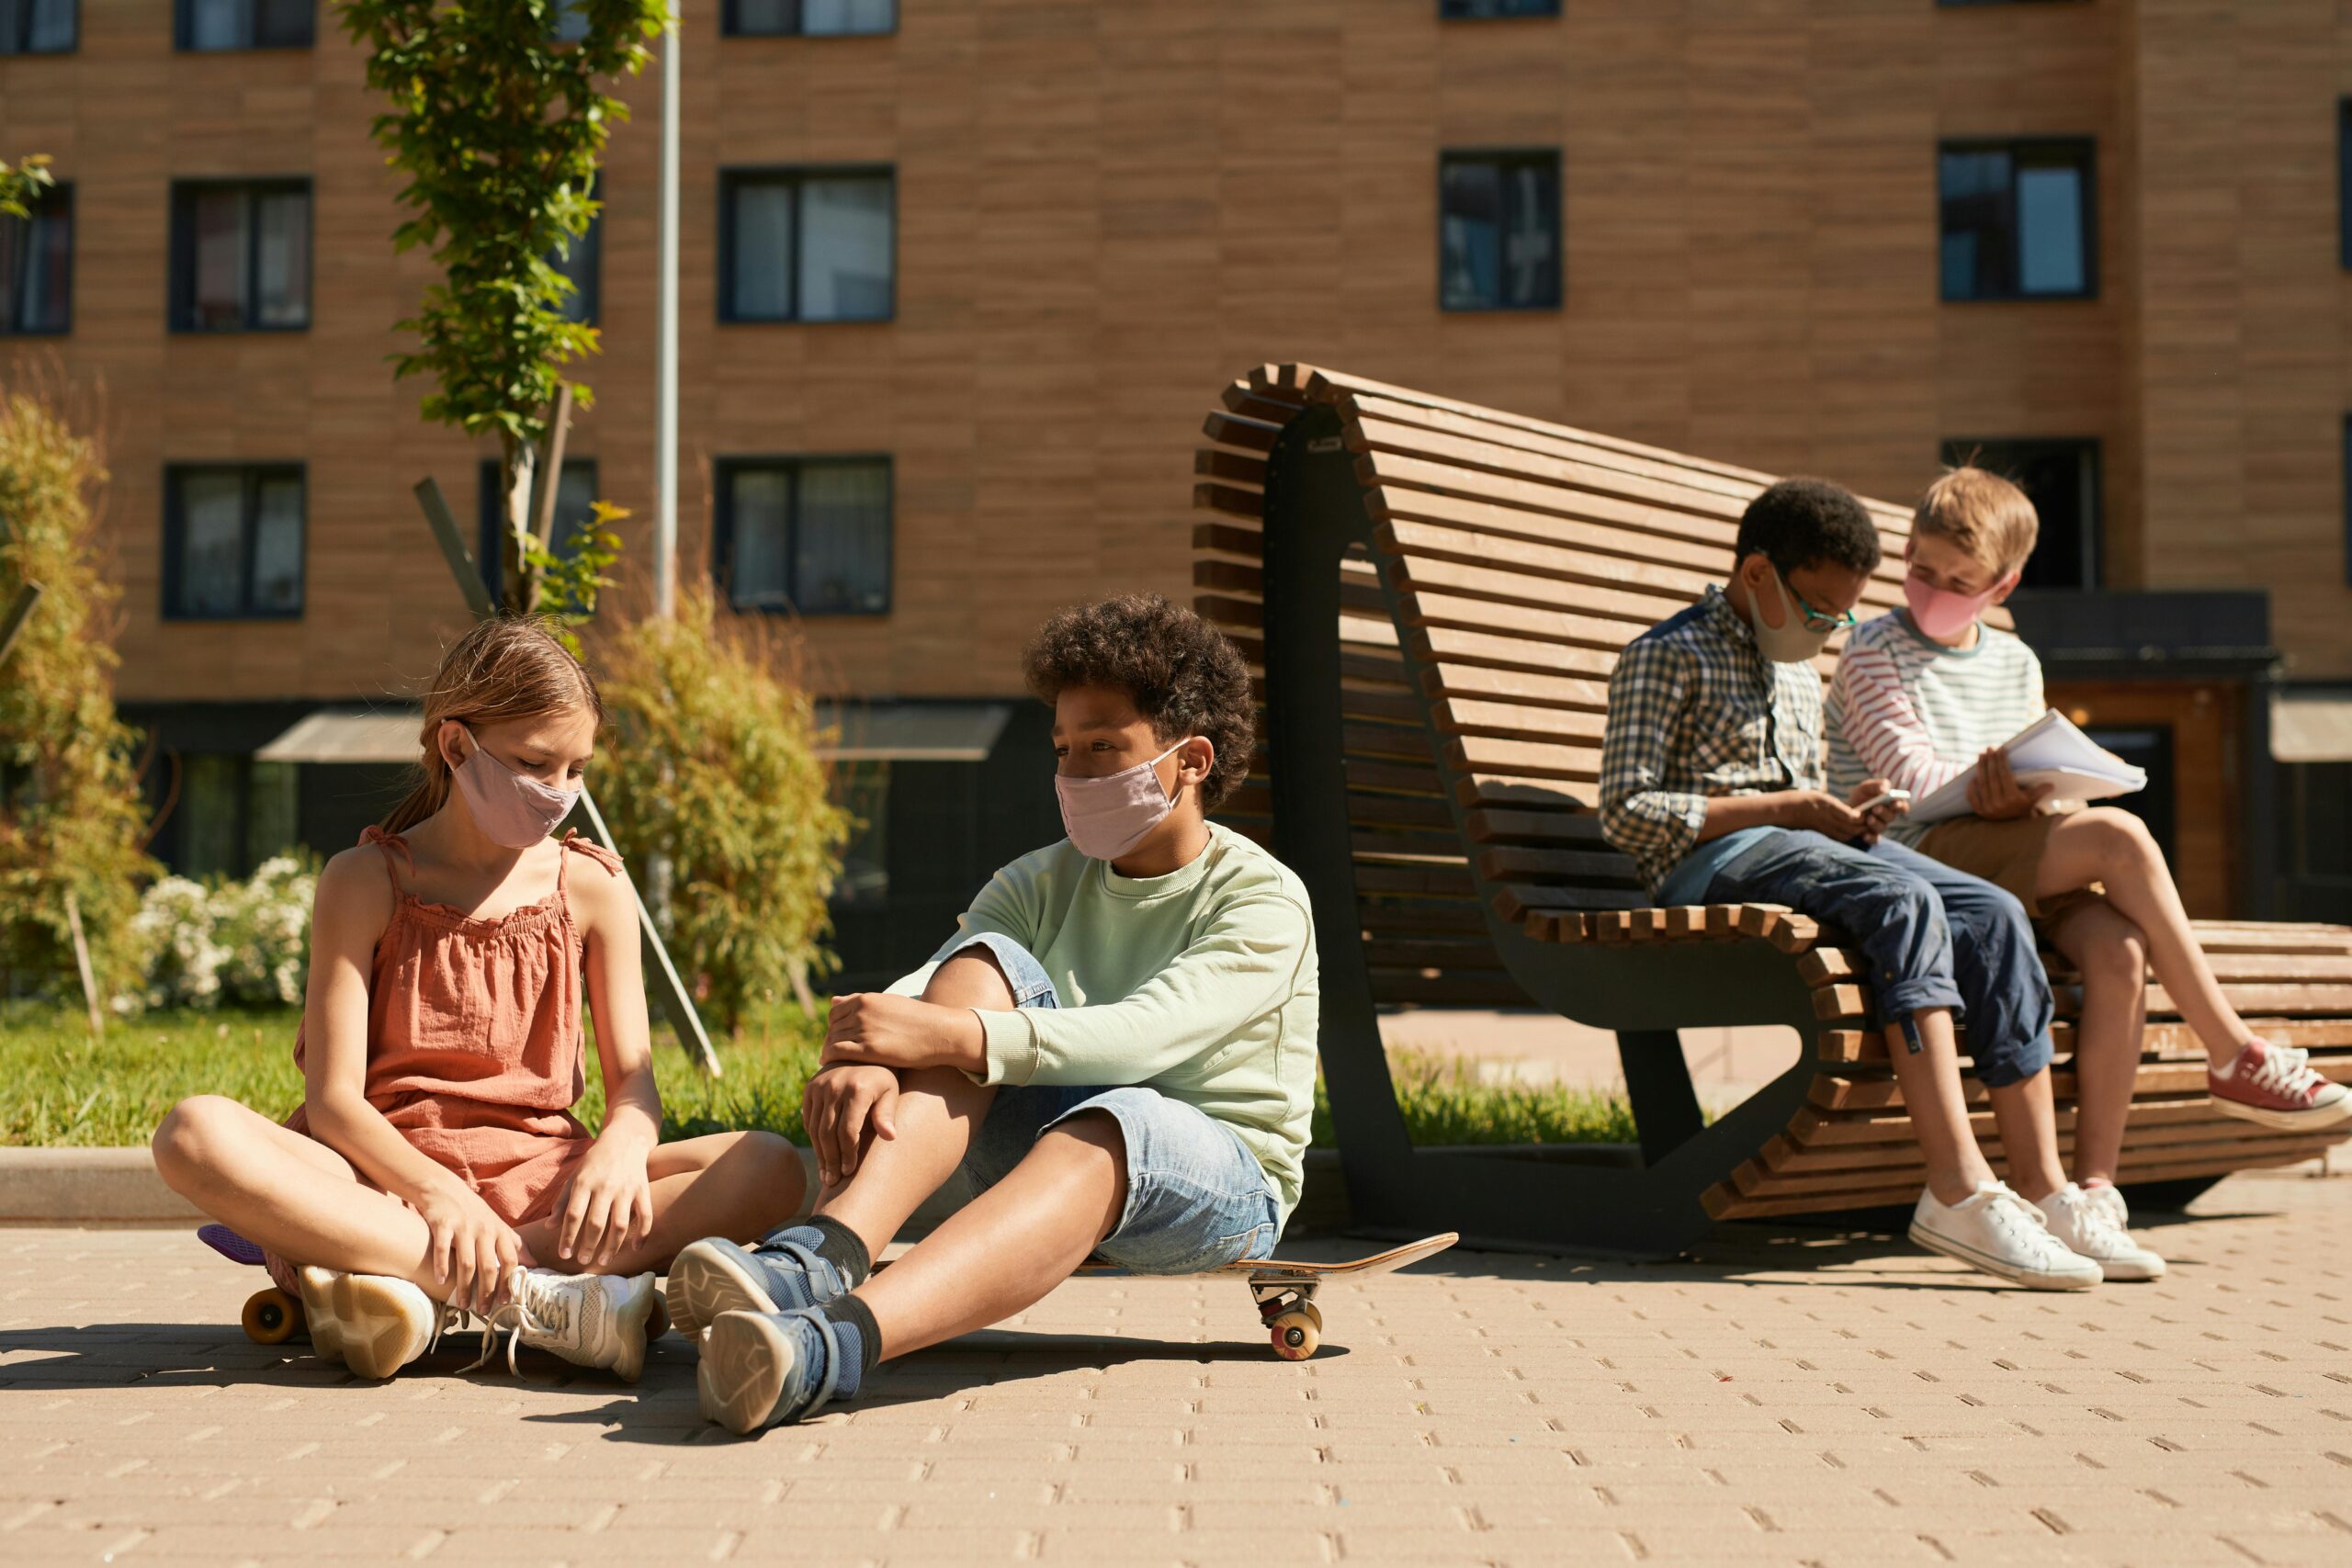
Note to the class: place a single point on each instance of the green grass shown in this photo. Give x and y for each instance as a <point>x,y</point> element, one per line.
<point>58,1087</point>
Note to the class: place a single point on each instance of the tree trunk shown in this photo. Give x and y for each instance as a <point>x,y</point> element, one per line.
<point>518,464</point>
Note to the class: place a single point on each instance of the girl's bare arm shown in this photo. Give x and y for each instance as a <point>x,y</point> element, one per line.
<point>609,1201</point>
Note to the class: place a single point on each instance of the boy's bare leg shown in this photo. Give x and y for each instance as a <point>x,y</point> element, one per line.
<point>1930,1083</point>
<point>2113,847</point>
<point>1011,1245</point>
<point>939,1110</point>
<point>2027,1118</point>
<point>2112,956</point>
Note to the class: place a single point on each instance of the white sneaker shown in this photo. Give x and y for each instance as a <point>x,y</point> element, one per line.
<point>2107,1198</point>
<point>1994,1230</point>
<point>2085,1226</point>
<point>590,1320</point>
<point>376,1324</point>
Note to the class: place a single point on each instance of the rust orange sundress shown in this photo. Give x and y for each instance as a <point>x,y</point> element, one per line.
<point>474,1043</point>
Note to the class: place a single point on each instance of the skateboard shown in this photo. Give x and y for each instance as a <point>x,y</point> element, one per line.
<point>1284,1288</point>
<point>271,1316</point>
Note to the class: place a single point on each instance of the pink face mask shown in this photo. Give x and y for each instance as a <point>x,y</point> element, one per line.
<point>1943,615</point>
<point>1107,816</point>
<point>509,809</point>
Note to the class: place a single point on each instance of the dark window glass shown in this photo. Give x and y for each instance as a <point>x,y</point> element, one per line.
<point>1470,10</point>
<point>232,542</point>
<point>38,27</point>
<point>2018,220</point>
<point>814,19</point>
<point>37,265</point>
<point>2150,748</point>
<point>581,260</point>
<point>233,812</point>
<point>206,25</point>
<point>2062,480</point>
<point>575,504</point>
<point>241,256</point>
<point>811,536</point>
<point>863,788</point>
<point>570,21</point>
<point>2344,181</point>
<point>1498,231</point>
<point>808,245</point>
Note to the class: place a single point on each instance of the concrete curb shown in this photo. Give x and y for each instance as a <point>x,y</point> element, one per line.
<point>120,1188</point>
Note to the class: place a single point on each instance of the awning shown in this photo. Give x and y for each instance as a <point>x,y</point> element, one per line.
<point>912,732</point>
<point>2312,726</point>
<point>347,735</point>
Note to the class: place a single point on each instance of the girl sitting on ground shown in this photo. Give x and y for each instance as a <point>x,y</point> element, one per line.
<point>435,1166</point>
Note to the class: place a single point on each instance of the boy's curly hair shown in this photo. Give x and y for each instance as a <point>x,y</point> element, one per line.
<point>1177,669</point>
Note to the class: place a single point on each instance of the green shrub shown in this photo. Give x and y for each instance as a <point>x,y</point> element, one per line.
<point>71,819</point>
<point>712,766</point>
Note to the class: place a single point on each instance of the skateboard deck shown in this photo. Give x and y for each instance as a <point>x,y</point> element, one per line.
<point>1284,1288</point>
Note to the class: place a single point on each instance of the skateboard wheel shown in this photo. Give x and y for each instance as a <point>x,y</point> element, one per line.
<point>1295,1336</point>
<point>1313,1312</point>
<point>271,1318</point>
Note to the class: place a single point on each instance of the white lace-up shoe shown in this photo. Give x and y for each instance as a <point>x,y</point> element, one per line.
<point>376,1324</point>
<point>1994,1230</point>
<point>2087,1227</point>
<point>590,1320</point>
<point>2107,1198</point>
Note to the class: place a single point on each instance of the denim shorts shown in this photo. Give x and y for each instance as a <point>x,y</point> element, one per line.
<point>1197,1197</point>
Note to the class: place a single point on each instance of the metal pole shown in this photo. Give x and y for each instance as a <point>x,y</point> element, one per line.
<point>665,340</point>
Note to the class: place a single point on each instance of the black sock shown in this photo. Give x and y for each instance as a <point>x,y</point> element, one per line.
<point>842,1248</point>
<point>850,1310</point>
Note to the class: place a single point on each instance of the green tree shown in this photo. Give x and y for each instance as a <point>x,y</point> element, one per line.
<point>712,764</point>
<point>71,819</point>
<point>499,116</point>
<point>21,184</point>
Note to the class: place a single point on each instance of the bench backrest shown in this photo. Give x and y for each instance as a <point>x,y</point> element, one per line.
<point>1514,559</point>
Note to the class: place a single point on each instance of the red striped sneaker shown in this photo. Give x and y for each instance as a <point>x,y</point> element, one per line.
<point>2274,1086</point>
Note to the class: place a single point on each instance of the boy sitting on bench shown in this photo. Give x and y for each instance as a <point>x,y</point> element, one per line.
<point>1711,778</point>
<point>1115,1050</point>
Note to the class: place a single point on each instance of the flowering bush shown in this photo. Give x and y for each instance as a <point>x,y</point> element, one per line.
<point>246,943</point>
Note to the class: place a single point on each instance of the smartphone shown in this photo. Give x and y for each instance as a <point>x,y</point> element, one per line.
<point>1884,797</point>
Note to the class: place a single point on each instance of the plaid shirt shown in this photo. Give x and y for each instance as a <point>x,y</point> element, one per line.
<point>1695,711</point>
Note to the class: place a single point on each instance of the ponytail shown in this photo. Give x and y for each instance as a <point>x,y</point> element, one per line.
<point>505,668</point>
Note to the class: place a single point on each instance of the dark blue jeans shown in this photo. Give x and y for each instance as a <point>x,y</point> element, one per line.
<point>1935,937</point>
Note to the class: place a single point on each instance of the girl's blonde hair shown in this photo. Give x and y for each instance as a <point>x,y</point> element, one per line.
<point>508,668</point>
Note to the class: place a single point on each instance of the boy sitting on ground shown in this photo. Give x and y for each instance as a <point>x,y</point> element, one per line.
<point>1711,778</point>
<point>1927,692</point>
<point>1117,1050</point>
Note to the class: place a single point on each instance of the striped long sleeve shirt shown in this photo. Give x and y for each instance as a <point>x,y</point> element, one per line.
<point>1919,714</point>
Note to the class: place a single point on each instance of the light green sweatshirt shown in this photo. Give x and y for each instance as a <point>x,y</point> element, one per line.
<point>1200,984</point>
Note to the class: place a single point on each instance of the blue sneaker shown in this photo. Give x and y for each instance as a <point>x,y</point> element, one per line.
<point>782,1273</point>
<point>762,1370</point>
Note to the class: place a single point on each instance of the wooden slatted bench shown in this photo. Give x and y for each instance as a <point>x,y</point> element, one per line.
<point>1433,595</point>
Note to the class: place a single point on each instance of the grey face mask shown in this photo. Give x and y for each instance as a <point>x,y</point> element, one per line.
<point>1792,642</point>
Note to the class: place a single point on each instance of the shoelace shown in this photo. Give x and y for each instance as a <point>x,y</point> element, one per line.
<point>2286,1071</point>
<point>2094,1224</point>
<point>2009,1211</point>
<point>529,1308</point>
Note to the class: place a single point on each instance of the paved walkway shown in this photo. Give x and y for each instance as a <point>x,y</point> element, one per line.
<point>1789,1396</point>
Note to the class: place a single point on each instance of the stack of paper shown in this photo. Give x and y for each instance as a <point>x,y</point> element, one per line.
<point>2050,751</point>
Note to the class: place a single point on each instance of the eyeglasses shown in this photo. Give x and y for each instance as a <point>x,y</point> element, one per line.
<point>1816,620</point>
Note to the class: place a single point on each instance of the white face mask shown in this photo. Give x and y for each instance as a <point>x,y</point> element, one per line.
<point>1792,642</point>
<point>1107,816</point>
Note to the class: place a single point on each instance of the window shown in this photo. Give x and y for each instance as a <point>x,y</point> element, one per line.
<point>808,245</point>
<point>37,265</point>
<point>1498,231</point>
<point>2018,221</point>
<point>2062,480</point>
<point>810,536</point>
<point>1478,10</point>
<point>38,27</point>
<point>208,25</point>
<point>583,262</point>
<point>241,256</point>
<point>570,21</point>
<point>862,788</point>
<point>232,542</point>
<point>812,18</point>
<point>234,812</point>
<point>575,504</point>
<point>2344,181</point>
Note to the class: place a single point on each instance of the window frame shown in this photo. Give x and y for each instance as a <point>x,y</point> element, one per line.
<point>733,176</point>
<point>2018,146</point>
<point>180,283</point>
<point>2347,476</point>
<point>1550,13</point>
<point>724,471</point>
<point>254,475</point>
<point>490,558</point>
<point>62,190</point>
<point>10,49</point>
<point>2093,566</point>
<point>1506,157</point>
<point>184,32</point>
<point>730,23</point>
<point>2343,182</point>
